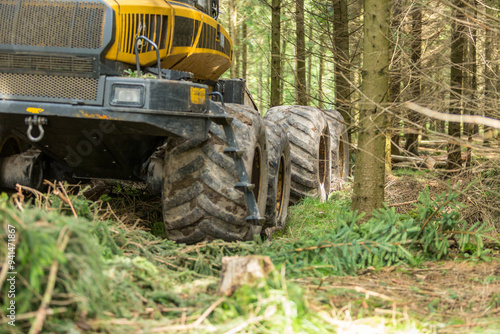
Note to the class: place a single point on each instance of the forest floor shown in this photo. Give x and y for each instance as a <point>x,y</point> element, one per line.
<point>456,295</point>
<point>452,296</point>
<point>146,284</point>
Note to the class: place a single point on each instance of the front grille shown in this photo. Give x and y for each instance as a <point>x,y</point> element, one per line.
<point>208,40</point>
<point>47,63</point>
<point>153,27</point>
<point>52,23</point>
<point>183,31</point>
<point>46,86</point>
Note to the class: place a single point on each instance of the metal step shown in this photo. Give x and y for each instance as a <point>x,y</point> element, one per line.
<point>232,151</point>
<point>245,186</point>
<point>221,117</point>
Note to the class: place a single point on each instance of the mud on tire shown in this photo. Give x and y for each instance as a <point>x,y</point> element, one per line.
<point>308,132</point>
<point>199,198</point>
<point>278,192</point>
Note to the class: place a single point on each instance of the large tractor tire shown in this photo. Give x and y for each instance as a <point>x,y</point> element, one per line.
<point>200,202</point>
<point>278,192</point>
<point>339,144</point>
<point>308,133</point>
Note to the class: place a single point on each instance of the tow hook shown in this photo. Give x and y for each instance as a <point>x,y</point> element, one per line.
<point>35,121</point>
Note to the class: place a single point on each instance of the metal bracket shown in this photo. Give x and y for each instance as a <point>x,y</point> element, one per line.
<point>33,121</point>
<point>136,51</point>
<point>220,116</point>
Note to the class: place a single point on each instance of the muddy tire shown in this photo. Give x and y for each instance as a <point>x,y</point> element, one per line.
<point>200,202</point>
<point>308,132</point>
<point>278,192</point>
<point>339,144</point>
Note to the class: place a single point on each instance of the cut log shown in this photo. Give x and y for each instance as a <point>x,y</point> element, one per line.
<point>245,270</point>
<point>432,150</point>
<point>439,164</point>
<point>400,158</point>
<point>433,143</point>
<point>426,161</point>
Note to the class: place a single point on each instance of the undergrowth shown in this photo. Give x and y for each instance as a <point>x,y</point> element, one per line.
<point>113,278</point>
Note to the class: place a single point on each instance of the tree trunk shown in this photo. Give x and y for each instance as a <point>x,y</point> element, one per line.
<point>244,50</point>
<point>395,77</point>
<point>234,36</point>
<point>369,176</point>
<point>321,96</point>
<point>301,97</point>
<point>342,61</point>
<point>283,70</point>
<point>458,42</point>
<point>260,89</point>
<point>309,61</point>
<point>471,106</point>
<point>275,53</point>
<point>411,145</point>
<point>489,74</point>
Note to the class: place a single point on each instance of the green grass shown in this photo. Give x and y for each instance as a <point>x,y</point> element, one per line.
<point>312,216</point>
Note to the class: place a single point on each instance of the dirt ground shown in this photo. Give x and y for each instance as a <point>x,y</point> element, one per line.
<point>453,296</point>
<point>445,297</point>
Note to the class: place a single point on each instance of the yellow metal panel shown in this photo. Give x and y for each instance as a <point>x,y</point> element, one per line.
<point>205,63</point>
<point>198,95</point>
<point>147,15</point>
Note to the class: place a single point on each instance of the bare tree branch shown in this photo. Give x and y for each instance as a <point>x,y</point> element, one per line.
<point>494,123</point>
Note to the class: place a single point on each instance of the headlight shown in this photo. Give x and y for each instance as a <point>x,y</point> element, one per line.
<point>127,95</point>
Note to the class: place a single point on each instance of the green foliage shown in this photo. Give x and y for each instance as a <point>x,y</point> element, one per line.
<point>276,305</point>
<point>133,74</point>
<point>105,269</point>
<point>81,284</point>
<point>312,216</point>
<point>387,238</point>
<point>327,239</point>
<point>109,270</point>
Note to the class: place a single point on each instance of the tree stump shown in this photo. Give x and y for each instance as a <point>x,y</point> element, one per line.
<point>245,270</point>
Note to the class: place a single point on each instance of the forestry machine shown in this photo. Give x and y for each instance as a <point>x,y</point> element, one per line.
<point>130,90</point>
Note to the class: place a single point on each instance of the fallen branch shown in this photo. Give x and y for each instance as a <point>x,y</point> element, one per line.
<point>428,161</point>
<point>359,289</point>
<point>19,199</point>
<point>39,195</point>
<point>42,313</point>
<point>63,195</point>
<point>192,325</point>
<point>371,293</point>
<point>269,312</point>
<point>68,200</point>
<point>439,164</point>
<point>331,245</point>
<point>29,315</point>
<point>402,204</point>
<point>472,119</point>
<point>400,158</point>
